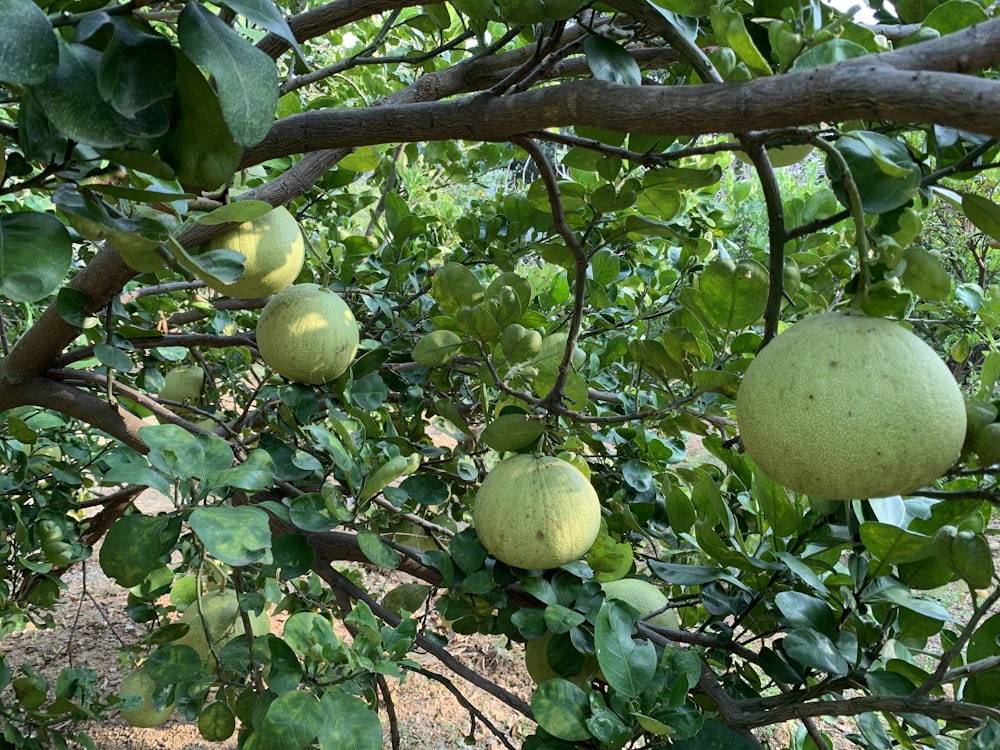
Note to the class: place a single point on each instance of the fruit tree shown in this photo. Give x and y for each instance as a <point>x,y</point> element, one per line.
<point>546,237</point>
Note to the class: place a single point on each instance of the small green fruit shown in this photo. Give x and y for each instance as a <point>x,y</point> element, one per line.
<point>645,597</point>
<point>145,714</point>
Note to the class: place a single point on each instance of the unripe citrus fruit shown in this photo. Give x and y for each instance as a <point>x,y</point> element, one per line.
<point>145,714</point>
<point>308,334</point>
<point>274,250</point>
<point>645,597</point>
<point>221,613</point>
<point>844,406</point>
<point>183,384</point>
<point>536,512</point>
<point>540,669</point>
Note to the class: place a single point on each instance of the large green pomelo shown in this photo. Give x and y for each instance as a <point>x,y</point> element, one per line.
<point>220,611</point>
<point>843,406</point>
<point>308,334</point>
<point>145,714</point>
<point>274,250</point>
<point>536,512</point>
<point>183,383</point>
<point>645,597</point>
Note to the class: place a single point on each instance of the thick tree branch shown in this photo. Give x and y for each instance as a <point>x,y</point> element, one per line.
<point>837,92</point>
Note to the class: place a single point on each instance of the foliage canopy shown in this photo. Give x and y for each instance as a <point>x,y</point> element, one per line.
<point>534,211</point>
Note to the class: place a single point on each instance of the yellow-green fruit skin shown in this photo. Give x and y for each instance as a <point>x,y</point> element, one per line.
<point>843,406</point>
<point>645,597</point>
<point>274,249</point>
<point>536,512</point>
<point>183,383</point>
<point>307,334</point>
<point>145,714</point>
<point>221,611</point>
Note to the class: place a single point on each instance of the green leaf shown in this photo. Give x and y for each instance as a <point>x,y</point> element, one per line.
<point>136,70</point>
<point>813,649</point>
<point>735,294</point>
<point>925,274</point>
<point>178,453</point>
<point>233,535</point>
<point>893,592</point>
<point>247,79</point>
<point>29,48</point>
<point>265,14</point>
<point>293,721</point>
<point>882,168</point>
<point>237,211</point>
<point>387,473</point>
<point>478,322</point>
<point>35,255</point>
<point>562,709</point>
<point>715,737</point>
<point>378,551</point>
<point>436,348</point>
<point>133,545</point>
<point>804,612</point>
<point>113,357</point>
<point>892,545</point>
<point>627,664</point>
<point>353,726</point>
<point>730,30</point>
<point>827,53</point>
<point>454,286</point>
<point>609,62</point>
<point>216,723</point>
<point>512,432</point>
<point>982,212</point>
<point>253,474</point>
<point>954,15</point>
<point>72,82</point>
<point>364,159</point>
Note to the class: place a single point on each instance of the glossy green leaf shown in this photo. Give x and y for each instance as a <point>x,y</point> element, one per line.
<point>351,723</point>
<point>247,79</point>
<point>237,211</point>
<point>136,69</point>
<point>562,709</point>
<point>293,721</point>
<point>954,15</point>
<point>735,294</point>
<point>892,544</point>
<point>730,30</point>
<point>216,722</point>
<point>454,286</point>
<point>628,664</point>
<point>882,168</point>
<point>29,48</point>
<point>609,62</point>
<point>237,535</point>
<point>982,212</point>
<point>133,545</point>
<point>113,357</point>
<point>512,432</point>
<point>35,255</point>
<point>436,348</point>
<point>827,53</point>
<point>925,274</point>
<point>378,551</point>
<point>254,473</point>
<point>387,473</point>
<point>265,14</point>
<point>802,611</point>
<point>72,82</point>
<point>813,649</point>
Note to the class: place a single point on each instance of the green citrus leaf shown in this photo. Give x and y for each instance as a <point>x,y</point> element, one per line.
<point>293,721</point>
<point>731,30</point>
<point>355,726</point>
<point>813,649</point>
<point>72,82</point>
<point>609,62</point>
<point>454,286</point>
<point>265,14</point>
<point>627,664</point>
<point>511,432</point>
<point>378,551</point>
<point>216,723</point>
<point>237,211</point>
<point>29,48</point>
<point>715,737</point>
<point>982,212</point>
<point>136,70</point>
<point>562,709</point>
<point>436,348</point>
<point>882,168</point>
<point>954,15</point>
<point>925,274</point>
<point>233,535</point>
<point>35,255</point>
<point>735,294</point>
<point>133,545</point>
<point>247,79</point>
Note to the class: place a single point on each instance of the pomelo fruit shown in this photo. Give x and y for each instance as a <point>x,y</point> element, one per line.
<point>540,669</point>
<point>536,512</point>
<point>221,613</point>
<point>645,597</point>
<point>145,714</point>
<point>183,383</point>
<point>843,406</point>
<point>274,250</point>
<point>308,334</point>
